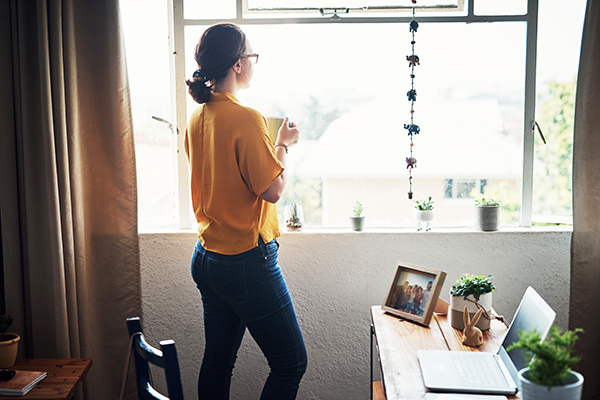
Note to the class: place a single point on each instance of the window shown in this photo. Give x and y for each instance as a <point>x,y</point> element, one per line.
<point>558,61</point>
<point>344,84</point>
<point>147,49</point>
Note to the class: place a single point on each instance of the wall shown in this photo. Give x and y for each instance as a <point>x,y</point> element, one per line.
<point>334,278</point>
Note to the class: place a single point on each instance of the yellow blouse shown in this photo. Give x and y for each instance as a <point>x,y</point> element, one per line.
<point>232,162</point>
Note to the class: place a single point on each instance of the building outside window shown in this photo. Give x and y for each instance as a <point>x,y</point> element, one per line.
<point>464,188</point>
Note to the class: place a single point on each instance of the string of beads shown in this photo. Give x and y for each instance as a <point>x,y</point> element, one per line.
<point>413,61</point>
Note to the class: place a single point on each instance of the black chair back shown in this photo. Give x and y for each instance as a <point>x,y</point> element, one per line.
<point>165,358</point>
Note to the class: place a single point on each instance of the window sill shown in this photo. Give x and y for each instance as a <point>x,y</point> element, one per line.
<point>337,231</point>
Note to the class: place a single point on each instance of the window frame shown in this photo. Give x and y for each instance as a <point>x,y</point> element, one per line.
<point>326,8</point>
<point>177,24</point>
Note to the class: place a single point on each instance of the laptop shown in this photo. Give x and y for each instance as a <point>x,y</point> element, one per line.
<point>481,372</point>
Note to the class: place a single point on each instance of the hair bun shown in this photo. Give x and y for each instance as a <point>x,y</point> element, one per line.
<point>199,89</point>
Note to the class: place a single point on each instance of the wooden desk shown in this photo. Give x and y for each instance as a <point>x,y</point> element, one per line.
<point>398,341</point>
<point>63,376</point>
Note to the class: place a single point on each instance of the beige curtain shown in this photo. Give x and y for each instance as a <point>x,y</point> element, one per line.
<point>69,243</point>
<point>585,250</point>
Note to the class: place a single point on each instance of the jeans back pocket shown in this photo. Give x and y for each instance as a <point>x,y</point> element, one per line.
<point>228,278</point>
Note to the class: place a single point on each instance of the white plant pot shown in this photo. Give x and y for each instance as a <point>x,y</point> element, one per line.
<point>457,307</point>
<point>570,390</point>
<point>423,217</point>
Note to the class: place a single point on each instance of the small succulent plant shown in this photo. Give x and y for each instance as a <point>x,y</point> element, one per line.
<point>475,285</point>
<point>357,209</point>
<point>5,323</point>
<point>425,205</point>
<point>483,202</point>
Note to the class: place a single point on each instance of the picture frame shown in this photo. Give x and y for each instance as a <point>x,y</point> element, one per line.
<point>425,285</point>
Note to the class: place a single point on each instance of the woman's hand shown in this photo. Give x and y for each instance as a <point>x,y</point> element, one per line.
<point>287,135</point>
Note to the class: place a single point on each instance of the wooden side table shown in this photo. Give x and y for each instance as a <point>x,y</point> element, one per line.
<point>63,376</point>
<point>398,341</point>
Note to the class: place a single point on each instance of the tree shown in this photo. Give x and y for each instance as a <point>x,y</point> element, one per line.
<point>553,160</point>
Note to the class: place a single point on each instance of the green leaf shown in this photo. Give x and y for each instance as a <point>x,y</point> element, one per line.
<point>549,361</point>
<point>475,285</point>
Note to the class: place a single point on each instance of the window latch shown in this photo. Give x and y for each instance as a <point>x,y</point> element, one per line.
<point>174,129</point>
<point>334,14</point>
<point>533,126</point>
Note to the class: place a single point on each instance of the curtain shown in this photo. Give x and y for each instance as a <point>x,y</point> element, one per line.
<point>585,248</point>
<point>70,269</point>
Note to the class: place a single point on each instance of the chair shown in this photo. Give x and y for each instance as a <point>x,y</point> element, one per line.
<point>165,358</point>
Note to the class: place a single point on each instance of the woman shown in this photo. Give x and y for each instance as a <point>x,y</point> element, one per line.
<point>237,175</point>
<point>410,298</point>
<point>417,302</point>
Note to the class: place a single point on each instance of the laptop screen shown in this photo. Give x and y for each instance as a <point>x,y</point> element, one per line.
<point>532,313</point>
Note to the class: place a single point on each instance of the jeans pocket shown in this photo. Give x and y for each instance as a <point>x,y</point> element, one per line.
<point>271,250</point>
<point>228,278</point>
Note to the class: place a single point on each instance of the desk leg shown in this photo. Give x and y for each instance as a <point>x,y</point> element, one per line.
<point>371,375</point>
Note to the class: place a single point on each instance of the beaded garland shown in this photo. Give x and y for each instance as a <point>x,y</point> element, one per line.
<point>413,61</point>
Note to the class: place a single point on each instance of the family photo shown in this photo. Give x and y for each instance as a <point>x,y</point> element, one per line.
<point>412,293</point>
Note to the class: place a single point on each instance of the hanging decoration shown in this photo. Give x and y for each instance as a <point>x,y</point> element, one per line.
<point>413,61</point>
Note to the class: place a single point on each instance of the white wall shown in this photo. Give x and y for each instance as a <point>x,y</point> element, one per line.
<point>334,278</point>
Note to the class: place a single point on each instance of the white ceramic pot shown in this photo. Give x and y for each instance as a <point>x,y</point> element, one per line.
<point>570,390</point>
<point>425,217</point>
<point>457,306</point>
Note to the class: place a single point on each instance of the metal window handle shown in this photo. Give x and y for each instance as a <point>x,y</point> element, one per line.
<point>174,129</point>
<point>535,124</point>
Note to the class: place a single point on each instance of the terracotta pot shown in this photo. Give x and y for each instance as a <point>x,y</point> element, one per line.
<point>8,350</point>
<point>570,390</point>
<point>457,306</point>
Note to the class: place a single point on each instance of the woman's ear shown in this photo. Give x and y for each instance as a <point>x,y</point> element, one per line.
<point>237,67</point>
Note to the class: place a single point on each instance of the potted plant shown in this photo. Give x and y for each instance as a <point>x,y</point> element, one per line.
<point>548,373</point>
<point>475,292</point>
<point>294,216</point>
<point>487,213</point>
<point>9,343</point>
<point>424,212</point>
<point>357,220</point>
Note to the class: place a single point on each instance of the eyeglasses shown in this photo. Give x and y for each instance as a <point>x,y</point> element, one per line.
<point>253,57</point>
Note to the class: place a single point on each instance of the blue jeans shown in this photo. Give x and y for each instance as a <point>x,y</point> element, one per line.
<point>242,291</point>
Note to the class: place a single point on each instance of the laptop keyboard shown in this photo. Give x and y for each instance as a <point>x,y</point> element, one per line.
<point>478,371</point>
